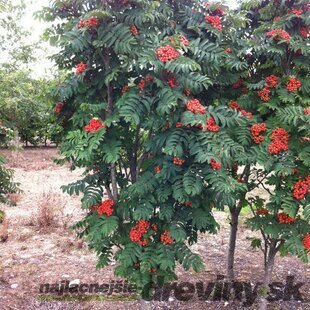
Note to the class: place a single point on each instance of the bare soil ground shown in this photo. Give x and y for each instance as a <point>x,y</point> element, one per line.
<point>40,249</point>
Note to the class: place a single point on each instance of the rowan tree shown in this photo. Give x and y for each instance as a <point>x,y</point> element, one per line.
<point>274,88</point>
<point>141,115</point>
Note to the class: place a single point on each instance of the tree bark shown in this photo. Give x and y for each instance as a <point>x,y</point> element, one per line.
<point>145,305</point>
<point>234,218</point>
<point>234,213</point>
<point>269,264</point>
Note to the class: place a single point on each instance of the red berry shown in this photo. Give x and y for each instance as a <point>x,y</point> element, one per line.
<point>284,218</point>
<point>106,207</point>
<point>215,165</point>
<point>195,107</point>
<point>256,131</point>
<point>279,34</point>
<point>134,30</point>
<point>293,84</point>
<point>272,81</point>
<point>167,53</point>
<point>94,125</point>
<point>178,161</point>
<point>165,238</point>
<point>214,21</point>
<point>59,107</point>
<point>306,241</point>
<point>211,125</point>
<point>264,94</point>
<point>80,68</point>
<point>279,143</point>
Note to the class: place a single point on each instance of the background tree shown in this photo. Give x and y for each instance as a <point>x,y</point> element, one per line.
<point>273,86</point>
<point>27,105</point>
<point>16,45</point>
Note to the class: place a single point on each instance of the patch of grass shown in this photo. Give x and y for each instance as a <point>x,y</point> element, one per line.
<point>49,206</point>
<point>2,216</point>
<point>4,231</point>
<point>246,211</point>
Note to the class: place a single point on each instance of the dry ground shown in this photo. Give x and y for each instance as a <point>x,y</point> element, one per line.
<point>40,249</point>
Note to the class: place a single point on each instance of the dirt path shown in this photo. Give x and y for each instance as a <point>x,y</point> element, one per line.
<point>34,254</point>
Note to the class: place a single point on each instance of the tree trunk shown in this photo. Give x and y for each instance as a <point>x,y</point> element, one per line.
<point>269,264</point>
<point>145,305</point>
<point>234,213</point>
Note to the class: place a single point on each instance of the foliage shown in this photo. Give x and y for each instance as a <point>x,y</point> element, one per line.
<point>27,106</point>
<point>269,89</point>
<point>164,109</point>
<point>16,46</point>
<point>126,121</point>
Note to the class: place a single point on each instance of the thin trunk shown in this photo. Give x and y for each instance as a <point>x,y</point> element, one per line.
<point>106,60</point>
<point>145,305</point>
<point>234,213</point>
<point>269,264</point>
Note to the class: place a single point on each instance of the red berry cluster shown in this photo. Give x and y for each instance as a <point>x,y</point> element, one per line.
<point>211,125</point>
<point>125,89</point>
<point>184,40</point>
<point>304,32</point>
<point>166,53</point>
<point>219,12</point>
<point>301,188</point>
<point>272,81</point>
<point>279,34</point>
<point>234,105</point>
<point>238,84</point>
<point>228,50</point>
<point>179,125</point>
<point>94,125</point>
<point>188,204</point>
<point>215,165</point>
<point>306,241</point>
<point>59,107</point>
<point>178,161</point>
<point>172,82</point>
<point>256,131</point>
<point>195,107</point>
<point>307,111</point>
<point>262,211</point>
<point>80,68</point>
<point>177,39</point>
<point>136,233</point>
<point>134,30</point>
<point>142,84</point>
<point>279,143</point>
<point>214,21</point>
<point>293,84</point>
<point>157,169</point>
<point>171,79</point>
<point>90,22</point>
<point>245,113</point>
<point>296,12</point>
<point>284,218</point>
<point>106,207</point>
<point>165,238</point>
<point>244,90</point>
<point>264,94</point>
